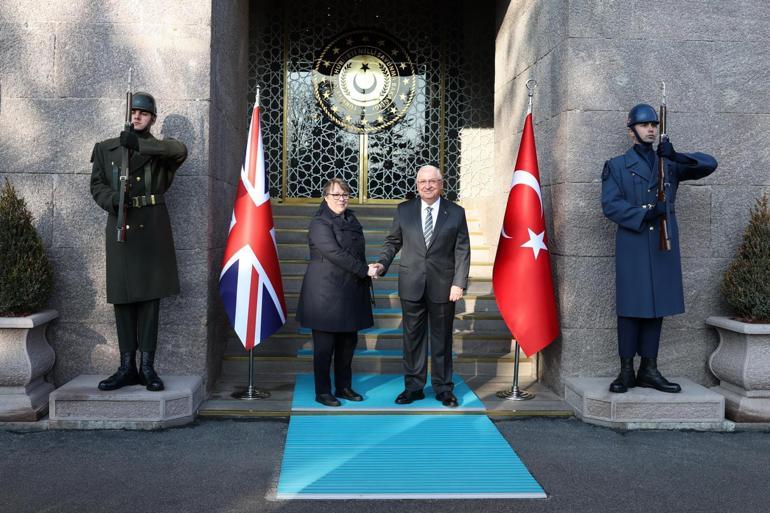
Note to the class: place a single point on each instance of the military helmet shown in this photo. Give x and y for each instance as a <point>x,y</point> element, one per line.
<point>143,101</point>
<point>642,113</point>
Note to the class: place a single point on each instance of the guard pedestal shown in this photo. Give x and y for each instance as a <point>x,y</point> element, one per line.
<point>695,407</point>
<point>81,405</point>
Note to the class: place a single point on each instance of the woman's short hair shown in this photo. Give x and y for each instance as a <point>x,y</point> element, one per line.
<point>329,185</point>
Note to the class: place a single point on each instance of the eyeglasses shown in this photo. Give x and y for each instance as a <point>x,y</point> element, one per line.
<point>339,196</point>
<point>432,181</point>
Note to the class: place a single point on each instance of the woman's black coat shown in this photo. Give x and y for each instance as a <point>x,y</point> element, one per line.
<point>335,292</point>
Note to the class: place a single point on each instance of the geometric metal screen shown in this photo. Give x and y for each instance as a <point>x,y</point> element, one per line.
<point>303,148</point>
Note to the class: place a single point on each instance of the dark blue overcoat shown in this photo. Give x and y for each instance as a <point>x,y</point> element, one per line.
<point>648,281</point>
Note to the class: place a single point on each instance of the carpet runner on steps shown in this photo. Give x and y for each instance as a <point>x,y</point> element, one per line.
<point>412,455</point>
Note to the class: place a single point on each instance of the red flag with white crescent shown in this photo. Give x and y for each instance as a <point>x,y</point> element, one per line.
<point>521,277</point>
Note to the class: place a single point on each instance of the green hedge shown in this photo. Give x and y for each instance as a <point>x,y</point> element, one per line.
<point>26,278</point>
<point>746,284</point>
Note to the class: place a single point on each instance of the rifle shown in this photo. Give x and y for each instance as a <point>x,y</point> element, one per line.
<point>665,242</point>
<point>125,165</point>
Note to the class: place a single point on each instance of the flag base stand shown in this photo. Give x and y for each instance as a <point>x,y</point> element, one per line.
<point>251,393</point>
<point>515,393</point>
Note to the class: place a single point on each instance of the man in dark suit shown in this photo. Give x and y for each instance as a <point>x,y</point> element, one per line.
<point>432,234</point>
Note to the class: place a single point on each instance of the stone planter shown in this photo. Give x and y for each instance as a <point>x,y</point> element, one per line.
<point>742,364</point>
<point>25,359</point>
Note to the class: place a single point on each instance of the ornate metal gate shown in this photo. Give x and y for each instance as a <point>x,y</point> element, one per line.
<point>297,46</point>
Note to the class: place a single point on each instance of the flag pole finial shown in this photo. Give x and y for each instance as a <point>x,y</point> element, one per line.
<point>256,98</point>
<point>531,85</point>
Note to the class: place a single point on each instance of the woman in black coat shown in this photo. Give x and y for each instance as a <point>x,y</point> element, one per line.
<point>335,300</point>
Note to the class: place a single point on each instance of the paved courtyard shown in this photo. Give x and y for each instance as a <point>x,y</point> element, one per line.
<point>233,466</point>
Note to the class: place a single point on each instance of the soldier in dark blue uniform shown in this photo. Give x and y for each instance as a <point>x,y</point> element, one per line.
<point>648,279</point>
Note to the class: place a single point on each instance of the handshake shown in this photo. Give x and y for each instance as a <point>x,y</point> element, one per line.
<point>375,270</point>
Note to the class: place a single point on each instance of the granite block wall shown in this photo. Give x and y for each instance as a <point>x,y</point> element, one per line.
<point>63,74</point>
<point>594,60</point>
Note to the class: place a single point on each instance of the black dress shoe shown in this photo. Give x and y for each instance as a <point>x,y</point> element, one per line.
<point>349,394</point>
<point>447,398</point>
<point>625,379</point>
<point>327,400</point>
<point>650,377</point>
<point>147,375</point>
<point>126,375</point>
<point>407,397</point>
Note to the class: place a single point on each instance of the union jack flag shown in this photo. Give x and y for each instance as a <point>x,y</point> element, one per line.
<point>250,282</point>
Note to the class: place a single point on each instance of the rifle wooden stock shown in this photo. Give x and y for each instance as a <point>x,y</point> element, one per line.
<point>125,165</point>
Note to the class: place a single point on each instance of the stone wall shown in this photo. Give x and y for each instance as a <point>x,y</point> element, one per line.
<point>63,72</point>
<point>229,115</point>
<point>594,60</point>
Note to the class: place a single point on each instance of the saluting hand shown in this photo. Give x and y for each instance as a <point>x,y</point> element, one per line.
<point>455,293</point>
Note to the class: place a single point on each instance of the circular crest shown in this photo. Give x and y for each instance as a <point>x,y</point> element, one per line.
<point>364,81</point>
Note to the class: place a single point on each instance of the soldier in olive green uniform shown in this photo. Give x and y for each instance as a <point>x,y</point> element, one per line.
<point>142,269</point>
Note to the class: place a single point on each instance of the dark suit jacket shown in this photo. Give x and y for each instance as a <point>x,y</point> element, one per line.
<point>436,268</point>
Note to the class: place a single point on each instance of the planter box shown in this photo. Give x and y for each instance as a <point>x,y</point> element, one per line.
<point>25,359</point>
<point>741,362</point>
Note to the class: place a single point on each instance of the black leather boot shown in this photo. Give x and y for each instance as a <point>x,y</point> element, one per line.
<point>625,379</point>
<point>147,375</point>
<point>125,376</point>
<point>649,377</point>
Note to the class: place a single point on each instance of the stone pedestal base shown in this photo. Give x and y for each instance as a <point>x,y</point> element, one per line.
<point>695,407</point>
<point>745,406</point>
<point>25,403</point>
<point>81,405</point>
<point>25,359</point>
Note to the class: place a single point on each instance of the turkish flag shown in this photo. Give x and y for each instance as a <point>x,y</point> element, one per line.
<point>521,277</point>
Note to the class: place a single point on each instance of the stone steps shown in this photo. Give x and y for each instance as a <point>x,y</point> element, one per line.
<point>389,282</point>
<point>299,251</point>
<point>389,299</point>
<point>273,367</point>
<point>482,343</point>
<point>372,236</point>
<point>299,266</point>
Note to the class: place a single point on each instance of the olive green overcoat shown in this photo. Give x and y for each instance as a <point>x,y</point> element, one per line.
<point>144,266</point>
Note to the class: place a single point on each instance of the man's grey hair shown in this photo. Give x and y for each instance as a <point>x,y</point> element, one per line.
<point>431,167</point>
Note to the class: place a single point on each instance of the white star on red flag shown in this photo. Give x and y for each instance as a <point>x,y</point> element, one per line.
<point>535,242</point>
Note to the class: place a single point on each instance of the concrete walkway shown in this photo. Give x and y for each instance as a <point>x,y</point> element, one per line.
<point>232,466</point>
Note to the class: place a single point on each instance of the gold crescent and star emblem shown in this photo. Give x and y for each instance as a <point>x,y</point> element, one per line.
<point>364,81</point>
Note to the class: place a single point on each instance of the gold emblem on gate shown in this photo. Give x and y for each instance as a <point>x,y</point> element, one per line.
<point>364,81</point>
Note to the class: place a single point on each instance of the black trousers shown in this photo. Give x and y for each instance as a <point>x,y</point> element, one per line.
<point>137,325</point>
<point>337,345</point>
<point>428,322</point>
<point>640,336</point>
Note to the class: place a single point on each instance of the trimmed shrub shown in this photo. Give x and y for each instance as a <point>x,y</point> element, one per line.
<point>26,278</point>
<point>746,284</point>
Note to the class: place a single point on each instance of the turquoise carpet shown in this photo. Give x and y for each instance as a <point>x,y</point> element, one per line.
<point>380,391</point>
<point>386,456</point>
<point>401,457</point>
